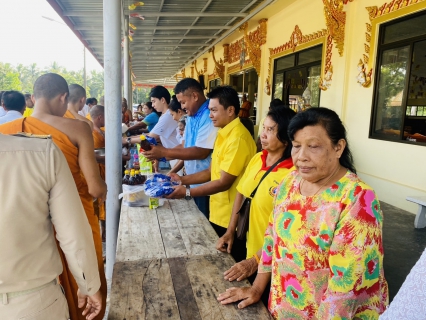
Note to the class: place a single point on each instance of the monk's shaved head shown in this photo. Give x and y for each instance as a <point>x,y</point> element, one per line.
<point>76,93</point>
<point>49,86</point>
<point>97,111</point>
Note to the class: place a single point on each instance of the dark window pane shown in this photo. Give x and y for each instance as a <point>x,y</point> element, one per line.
<point>285,62</point>
<point>390,88</point>
<point>405,29</point>
<point>310,55</point>
<point>278,86</point>
<point>314,76</point>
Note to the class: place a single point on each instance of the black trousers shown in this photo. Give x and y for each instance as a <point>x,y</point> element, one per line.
<point>239,249</point>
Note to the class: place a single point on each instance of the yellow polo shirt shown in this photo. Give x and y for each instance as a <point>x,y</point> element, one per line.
<point>233,149</point>
<point>262,203</point>
<point>28,112</point>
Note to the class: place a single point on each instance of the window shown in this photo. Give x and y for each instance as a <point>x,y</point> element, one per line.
<point>297,77</point>
<point>213,84</point>
<point>399,107</point>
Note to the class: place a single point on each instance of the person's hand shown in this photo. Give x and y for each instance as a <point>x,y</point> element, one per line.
<point>175,177</point>
<point>241,270</point>
<point>156,152</point>
<point>247,296</point>
<point>178,193</point>
<point>225,242</point>
<point>92,304</point>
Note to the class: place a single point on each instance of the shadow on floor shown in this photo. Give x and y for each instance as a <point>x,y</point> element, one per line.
<point>403,245</point>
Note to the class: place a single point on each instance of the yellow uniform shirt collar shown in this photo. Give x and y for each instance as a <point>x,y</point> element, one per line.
<point>224,132</point>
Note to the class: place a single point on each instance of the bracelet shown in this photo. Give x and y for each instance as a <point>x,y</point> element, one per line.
<point>257,258</point>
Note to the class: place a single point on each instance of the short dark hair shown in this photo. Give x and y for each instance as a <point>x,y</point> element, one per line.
<point>97,111</point>
<point>188,84</point>
<point>49,86</point>
<point>227,97</point>
<point>27,96</point>
<point>91,101</point>
<point>1,94</point>
<point>174,104</point>
<point>76,93</point>
<point>282,117</point>
<point>13,100</point>
<point>160,92</point>
<point>332,124</point>
<point>276,102</point>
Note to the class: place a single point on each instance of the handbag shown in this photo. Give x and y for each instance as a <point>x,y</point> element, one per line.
<point>244,212</point>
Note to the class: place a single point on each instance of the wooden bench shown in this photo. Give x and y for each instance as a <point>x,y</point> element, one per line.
<point>420,220</point>
<point>167,267</point>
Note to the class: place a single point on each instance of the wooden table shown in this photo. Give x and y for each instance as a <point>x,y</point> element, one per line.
<point>167,267</point>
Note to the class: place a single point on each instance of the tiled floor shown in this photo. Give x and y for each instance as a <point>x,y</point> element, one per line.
<point>403,245</point>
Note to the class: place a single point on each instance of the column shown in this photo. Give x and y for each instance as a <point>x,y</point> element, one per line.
<point>112,83</point>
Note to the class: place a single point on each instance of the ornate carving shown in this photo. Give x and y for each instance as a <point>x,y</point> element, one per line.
<point>225,52</point>
<point>183,73</point>
<point>365,65</point>
<point>335,19</point>
<point>205,65</point>
<point>218,66</point>
<point>192,72</point>
<point>212,76</point>
<point>235,51</point>
<point>194,63</point>
<point>298,38</point>
<point>253,42</point>
<point>236,67</point>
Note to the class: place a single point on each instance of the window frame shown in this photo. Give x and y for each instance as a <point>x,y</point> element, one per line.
<point>294,67</point>
<point>380,49</point>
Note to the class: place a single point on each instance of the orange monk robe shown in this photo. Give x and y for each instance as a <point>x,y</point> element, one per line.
<point>99,142</point>
<point>88,116</point>
<point>35,126</point>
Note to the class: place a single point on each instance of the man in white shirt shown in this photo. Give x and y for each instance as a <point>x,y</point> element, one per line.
<point>13,103</point>
<point>90,102</point>
<point>165,129</point>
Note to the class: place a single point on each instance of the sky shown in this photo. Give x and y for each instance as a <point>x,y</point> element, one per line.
<point>26,37</point>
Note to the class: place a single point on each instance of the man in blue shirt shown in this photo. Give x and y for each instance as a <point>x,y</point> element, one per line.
<point>199,136</point>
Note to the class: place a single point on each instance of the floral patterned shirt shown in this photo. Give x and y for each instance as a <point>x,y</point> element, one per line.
<point>325,252</point>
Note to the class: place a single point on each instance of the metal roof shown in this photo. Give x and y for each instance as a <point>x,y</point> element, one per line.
<point>172,34</point>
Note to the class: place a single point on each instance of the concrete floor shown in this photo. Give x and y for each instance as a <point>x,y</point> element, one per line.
<point>403,245</point>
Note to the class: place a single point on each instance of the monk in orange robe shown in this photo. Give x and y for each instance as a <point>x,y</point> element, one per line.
<point>97,114</point>
<point>76,102</point>
<point>75,140</point>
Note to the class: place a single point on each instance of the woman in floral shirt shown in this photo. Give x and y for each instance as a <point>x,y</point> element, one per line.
<point>323,250</point>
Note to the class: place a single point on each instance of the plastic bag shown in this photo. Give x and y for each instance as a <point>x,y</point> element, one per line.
<point>159,185</point>
<point>134,196</point>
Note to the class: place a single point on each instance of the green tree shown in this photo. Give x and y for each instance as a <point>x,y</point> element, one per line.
<point>9,78</point>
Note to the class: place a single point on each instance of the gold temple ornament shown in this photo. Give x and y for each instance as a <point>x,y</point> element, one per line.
<point>218,66</point>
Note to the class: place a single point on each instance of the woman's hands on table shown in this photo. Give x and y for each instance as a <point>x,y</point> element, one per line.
<point>247,296</point>
<point>241,270</point>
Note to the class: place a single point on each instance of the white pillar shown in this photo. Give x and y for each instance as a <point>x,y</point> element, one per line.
<point>112,79</point>
<point>126,70</point>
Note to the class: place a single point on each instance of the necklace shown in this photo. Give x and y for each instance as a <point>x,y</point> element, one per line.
<point>322,185</point>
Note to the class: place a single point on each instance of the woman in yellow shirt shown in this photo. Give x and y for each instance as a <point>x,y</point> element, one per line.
<point>276,145</point>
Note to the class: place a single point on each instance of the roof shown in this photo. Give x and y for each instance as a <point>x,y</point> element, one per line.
<point>171,34</point>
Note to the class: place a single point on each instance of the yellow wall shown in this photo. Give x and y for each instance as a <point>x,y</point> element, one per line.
<point>394,170</point>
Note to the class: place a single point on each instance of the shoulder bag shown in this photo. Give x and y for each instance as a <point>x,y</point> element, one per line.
<point>244,212</point>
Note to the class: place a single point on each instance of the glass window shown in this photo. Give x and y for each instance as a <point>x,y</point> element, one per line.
<point>392,74</point>
<point>310,55</point>
<point>278,86</point>
<point>405,29</point>
<point>298,86</point>
<point>285,62</point>
<point>399,108</point>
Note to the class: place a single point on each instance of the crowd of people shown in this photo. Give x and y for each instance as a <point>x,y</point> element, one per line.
<point>313,249</point>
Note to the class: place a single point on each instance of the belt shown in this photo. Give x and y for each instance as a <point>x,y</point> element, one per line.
<point>7,296</point>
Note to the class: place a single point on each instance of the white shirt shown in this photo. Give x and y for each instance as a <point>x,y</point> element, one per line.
<point>84,111</point>
<point>10,116</point>
<point>2,111</point>
<point>166,129</point>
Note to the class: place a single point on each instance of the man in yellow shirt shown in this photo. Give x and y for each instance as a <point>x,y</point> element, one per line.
<point>29,105</point>
<point>233,149</point>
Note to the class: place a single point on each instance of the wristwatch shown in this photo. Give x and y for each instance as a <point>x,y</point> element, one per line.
<point>188,193</point>
<point>128,140</point>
